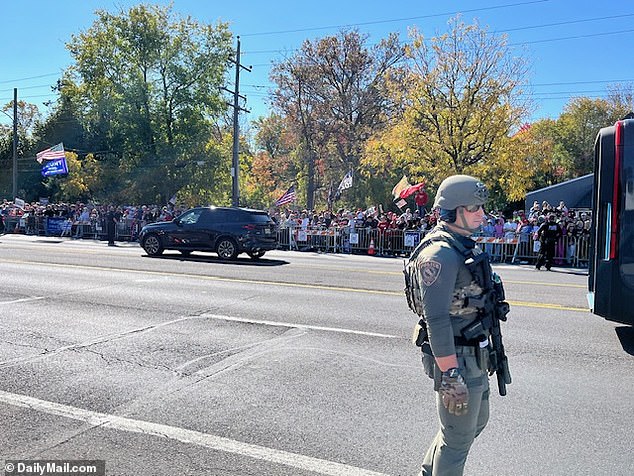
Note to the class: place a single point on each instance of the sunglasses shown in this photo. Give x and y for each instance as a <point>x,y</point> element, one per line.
<point>472,208</point>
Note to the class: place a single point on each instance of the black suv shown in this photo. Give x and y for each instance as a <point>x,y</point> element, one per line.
<point>228,231</point>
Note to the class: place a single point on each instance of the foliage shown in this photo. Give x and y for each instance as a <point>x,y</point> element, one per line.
<point>81,182</point>
<point>145,87</point>
<point>141,117</point>
<point>334,92</point>
<point>461,104</point>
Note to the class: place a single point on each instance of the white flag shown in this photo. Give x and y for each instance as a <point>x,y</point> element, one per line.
<point>346,182</point>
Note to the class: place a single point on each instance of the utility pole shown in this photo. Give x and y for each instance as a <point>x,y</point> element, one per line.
<point>235,165</point>
<point>15,143</point>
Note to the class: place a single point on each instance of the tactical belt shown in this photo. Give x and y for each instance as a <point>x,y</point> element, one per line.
<point>459,340</point>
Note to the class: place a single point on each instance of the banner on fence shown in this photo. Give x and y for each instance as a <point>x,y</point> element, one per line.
<point>354,238</point>
<point>411,238</point>
<point>55,225</point>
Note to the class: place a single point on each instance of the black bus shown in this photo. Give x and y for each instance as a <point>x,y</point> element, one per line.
<point>611,273</point>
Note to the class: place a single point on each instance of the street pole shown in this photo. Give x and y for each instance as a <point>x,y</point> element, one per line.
<point>15,143</point>
<point>235,164</point>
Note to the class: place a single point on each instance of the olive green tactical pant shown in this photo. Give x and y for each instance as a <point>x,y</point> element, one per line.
<point>449,450</point>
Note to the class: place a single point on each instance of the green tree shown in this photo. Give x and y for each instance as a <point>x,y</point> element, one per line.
<point>577,128</point>
<point>149,87</point>
<point>27,117</point>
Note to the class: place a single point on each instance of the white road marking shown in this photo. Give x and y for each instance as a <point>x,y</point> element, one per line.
<point>121,335</point>
<point>29,299</point>
<point>218,443</point>
<point>300,326</point>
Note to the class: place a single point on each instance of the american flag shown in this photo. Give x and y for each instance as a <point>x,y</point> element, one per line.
<point>52,153</point>
<point>288,197</point>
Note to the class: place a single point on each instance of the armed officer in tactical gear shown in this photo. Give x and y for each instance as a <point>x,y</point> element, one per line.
<point>442,288</point>
<point>549,233</point>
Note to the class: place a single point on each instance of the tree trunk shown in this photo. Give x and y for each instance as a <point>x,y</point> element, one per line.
<point>310,187</point>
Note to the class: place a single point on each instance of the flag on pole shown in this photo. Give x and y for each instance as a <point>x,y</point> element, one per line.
<point>288,197</point>
<point>52,153</point>
<point>412,189</point>
<point>55,167</point>
<point>403,184</point>
<point>346,182</point>
<point>172,201</point>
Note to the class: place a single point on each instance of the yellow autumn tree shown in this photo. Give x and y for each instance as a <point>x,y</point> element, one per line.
<point>464,98</point>
<point>82,179</point>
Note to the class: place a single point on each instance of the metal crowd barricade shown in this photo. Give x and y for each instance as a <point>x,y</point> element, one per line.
<point>570,250</point>
<point>390,242</point>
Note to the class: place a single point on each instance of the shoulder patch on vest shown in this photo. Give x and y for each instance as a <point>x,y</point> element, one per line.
<point>429,271</point>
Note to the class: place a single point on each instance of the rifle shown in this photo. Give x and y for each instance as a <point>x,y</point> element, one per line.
<point>491,310</point>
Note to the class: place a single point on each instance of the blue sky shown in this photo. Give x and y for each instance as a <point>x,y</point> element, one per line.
<point>576,48</point>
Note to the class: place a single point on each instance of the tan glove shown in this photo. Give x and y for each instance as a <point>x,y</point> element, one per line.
<point>454,392</point>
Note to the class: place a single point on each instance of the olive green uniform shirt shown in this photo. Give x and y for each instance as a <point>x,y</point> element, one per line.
<point>445,283</point>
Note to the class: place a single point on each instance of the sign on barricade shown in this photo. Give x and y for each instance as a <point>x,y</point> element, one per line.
<point>412,238</point>
<point>55,225</point>
<point>500,246</point>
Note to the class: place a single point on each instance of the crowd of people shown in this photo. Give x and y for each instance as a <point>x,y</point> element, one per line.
<point>521,224</point>
<point>32,215</point>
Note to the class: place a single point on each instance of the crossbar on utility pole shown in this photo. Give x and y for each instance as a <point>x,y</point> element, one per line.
<point>15,143</point>
<point>235,165</point>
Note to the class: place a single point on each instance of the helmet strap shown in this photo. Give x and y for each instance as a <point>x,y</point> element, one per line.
<point>461,223</point>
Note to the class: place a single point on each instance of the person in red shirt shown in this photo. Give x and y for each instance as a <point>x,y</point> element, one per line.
<point>421,200</point>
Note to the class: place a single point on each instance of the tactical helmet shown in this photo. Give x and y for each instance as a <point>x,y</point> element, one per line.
<point>460,190</point>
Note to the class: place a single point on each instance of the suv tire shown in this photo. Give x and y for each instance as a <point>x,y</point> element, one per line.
<point>152,245</point>
<point>255,254</point>
<point>227,248</point>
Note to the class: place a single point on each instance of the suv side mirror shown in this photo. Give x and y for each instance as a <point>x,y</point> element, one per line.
<point>177,222</point>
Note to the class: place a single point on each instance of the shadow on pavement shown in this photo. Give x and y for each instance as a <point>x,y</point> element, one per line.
<point>239,261</point>
<point>626,336</point>
<point>574,271</point>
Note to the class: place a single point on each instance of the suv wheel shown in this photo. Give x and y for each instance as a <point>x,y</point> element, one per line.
<point>256,254</point>
<point>227,248</point>
<point>152,245</point>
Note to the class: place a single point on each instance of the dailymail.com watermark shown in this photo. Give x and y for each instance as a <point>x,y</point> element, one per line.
<point>54,468</point>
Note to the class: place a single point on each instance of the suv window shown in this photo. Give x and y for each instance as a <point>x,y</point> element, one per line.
<point>256,217</point>
<point>191,217</point>
<point>215,215</point>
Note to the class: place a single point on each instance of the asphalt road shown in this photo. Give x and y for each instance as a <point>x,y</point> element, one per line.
<point>299,364</point>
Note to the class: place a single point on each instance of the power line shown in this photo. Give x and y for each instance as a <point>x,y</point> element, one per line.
<point>506,30</point>
<point>377,22</point>
<point>569,22</point>
<point>22,88</point>
<point>585,82</point>
<point>30,77</point>
<point>576,37</point>
<point>563,38</point>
